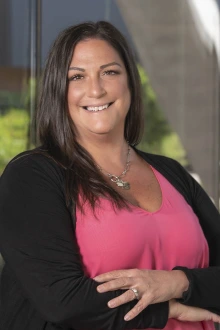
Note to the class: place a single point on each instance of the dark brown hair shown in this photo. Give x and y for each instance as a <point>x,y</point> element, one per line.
<point>55,128</point>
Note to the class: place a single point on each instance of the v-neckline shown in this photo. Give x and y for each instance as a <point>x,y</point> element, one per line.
<point>133,206</point>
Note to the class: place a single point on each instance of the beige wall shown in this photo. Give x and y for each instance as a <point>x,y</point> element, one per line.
<point>184,75</point>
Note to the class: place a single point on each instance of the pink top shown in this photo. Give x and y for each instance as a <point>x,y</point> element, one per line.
<point>126,239</point>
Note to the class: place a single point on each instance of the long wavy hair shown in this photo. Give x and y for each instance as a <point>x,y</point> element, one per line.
<point>55,127</point>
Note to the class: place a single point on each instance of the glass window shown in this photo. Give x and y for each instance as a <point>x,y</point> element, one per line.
<point>14,79</point>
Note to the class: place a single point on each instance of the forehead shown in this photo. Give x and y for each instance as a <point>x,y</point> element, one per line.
<point>95,51</point>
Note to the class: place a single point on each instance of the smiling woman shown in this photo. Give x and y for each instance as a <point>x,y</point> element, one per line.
<point>95,233</point>
<point>98,92</point>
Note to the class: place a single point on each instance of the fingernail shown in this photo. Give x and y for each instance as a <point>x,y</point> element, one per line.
<point>95,278</point>
<point>111,304</point>
<point>100,289</point>
<point>127,318</point>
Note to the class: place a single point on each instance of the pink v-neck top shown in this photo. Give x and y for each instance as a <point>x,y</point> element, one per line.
<point>136,238</point>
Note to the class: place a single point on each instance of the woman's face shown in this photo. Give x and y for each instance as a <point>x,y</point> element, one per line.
<point>98,92</point>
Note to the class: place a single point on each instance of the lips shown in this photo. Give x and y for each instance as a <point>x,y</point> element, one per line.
<point>98,107</point>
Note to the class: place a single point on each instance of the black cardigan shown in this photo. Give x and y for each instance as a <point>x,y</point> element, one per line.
<point>43,285</point>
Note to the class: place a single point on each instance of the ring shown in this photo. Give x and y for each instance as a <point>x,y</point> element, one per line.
<point>136,293</point>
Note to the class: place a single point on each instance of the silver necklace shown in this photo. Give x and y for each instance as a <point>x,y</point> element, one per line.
<point>117,179</point>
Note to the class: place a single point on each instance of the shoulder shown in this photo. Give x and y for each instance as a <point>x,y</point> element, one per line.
<point>174,172</point>
<point>34,158</point>
<point>33,165</point>
<point>161,161</point>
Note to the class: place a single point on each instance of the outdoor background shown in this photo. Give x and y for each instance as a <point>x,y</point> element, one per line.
<point>177,49</point>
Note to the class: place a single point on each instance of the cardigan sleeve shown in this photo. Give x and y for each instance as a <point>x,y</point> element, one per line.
<point>38,244</point>
<point>204,289</point>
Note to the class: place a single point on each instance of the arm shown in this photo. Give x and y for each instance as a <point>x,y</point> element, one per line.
<point>191,314</point>
<point>38,244</point>
<point>204,289</point>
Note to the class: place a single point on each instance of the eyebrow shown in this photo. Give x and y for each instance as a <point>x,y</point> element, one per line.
<point>75,68</point>
<point>109,64</point>
<point>101,67</point>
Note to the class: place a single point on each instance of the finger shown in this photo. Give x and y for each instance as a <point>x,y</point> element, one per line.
<point>122,299</point>
<point>114,274</point>
<point>215,318</point>
<point>137,309</point>
<point>121,283</point>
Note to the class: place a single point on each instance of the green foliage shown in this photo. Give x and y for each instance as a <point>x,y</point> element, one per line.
<point>13,138</point>
<point>171,147</point>
<point>158,136</point>
<point>156,127</point>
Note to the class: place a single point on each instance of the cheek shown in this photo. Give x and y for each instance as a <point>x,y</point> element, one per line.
<point>125,91</point>
<point>120,90</point>
<point>74,96</point>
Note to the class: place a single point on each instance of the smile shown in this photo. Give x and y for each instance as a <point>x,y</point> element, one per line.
<point>98,108</point>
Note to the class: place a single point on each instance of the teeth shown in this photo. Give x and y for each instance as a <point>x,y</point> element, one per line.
<point>102,107</point>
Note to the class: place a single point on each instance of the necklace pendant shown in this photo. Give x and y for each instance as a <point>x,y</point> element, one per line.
<point>123,184</point>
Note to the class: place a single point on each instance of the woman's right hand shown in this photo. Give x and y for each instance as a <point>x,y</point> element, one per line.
<point>187,313</point>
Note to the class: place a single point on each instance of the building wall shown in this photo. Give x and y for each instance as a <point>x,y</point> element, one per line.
<point>184,75</point>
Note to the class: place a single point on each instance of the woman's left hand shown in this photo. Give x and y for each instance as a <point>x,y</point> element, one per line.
<point>152,286</point>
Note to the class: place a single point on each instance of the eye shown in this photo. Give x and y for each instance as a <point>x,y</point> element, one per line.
<point>110,73</point>
<point>75,77</point>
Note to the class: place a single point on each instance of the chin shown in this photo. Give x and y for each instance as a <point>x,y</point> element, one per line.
<point>101,130</point>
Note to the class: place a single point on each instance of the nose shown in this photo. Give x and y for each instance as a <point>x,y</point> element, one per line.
<point>96,88</point>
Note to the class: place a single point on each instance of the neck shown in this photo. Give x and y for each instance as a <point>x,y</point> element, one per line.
<point>109,153</point>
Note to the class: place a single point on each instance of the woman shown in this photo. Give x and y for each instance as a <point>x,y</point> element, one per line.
<point>87,202</point>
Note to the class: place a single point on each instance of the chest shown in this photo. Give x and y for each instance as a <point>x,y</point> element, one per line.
<point>137,238</point>
<point>145,191</point>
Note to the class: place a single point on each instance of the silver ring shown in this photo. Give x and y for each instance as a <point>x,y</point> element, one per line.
<point>136,293</point>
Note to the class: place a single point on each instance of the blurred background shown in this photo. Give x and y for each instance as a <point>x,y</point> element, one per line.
<point>177,48</point>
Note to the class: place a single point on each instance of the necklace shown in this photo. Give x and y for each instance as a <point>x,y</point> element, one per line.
<point>117,179</point>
